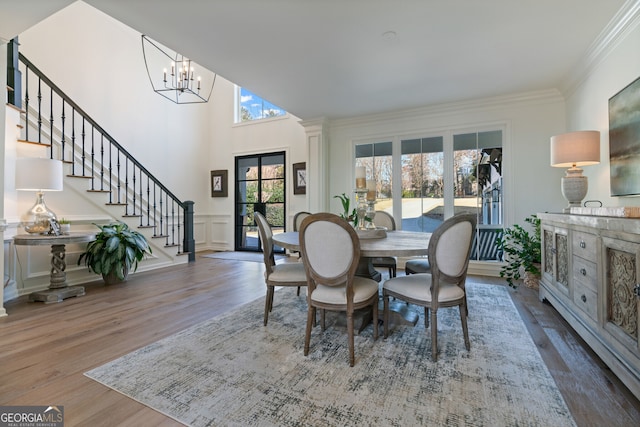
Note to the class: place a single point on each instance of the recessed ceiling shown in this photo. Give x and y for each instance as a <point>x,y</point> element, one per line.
<point>338,59</point>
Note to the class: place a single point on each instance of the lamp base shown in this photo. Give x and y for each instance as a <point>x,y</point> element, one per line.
<point>574,187</point>
<point>38,219</point>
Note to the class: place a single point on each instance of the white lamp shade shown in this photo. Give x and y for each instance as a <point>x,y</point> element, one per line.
<point>581,148</point>
<point>38,174</point>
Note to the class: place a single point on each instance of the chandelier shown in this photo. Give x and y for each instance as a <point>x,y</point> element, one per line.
<point>174,76</point>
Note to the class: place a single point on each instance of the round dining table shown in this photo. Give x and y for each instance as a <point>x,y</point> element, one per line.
<point>392,243</point>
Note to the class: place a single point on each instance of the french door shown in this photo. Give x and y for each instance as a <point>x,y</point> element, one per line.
<point>259,187</point>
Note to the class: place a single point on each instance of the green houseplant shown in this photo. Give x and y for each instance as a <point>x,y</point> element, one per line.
<point>347,214</point>
<point>115,252</point>
<point>522,252</point>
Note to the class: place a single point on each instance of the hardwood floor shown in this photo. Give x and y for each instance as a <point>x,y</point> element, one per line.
<point>45,349</point>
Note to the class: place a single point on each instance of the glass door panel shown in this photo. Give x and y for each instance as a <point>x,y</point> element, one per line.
<point>478,187</point>
<point>422,183</point>
<point>259,187</point>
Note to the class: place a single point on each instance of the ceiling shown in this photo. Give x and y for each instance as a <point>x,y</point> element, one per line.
<point>346,58</point>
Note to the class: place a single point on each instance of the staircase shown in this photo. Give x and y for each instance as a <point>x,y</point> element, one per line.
<point>52,120</point>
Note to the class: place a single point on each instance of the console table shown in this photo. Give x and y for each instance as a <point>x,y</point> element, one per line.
<point>591,275</point>
<point>58,288</point>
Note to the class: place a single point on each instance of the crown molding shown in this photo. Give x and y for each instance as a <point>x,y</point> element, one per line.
<point>625,21</point>
<point>458,107</point>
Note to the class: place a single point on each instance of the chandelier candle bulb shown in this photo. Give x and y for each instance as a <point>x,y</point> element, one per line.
<point>361,177</point>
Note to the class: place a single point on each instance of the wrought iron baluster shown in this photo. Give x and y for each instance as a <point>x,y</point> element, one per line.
<point>73,141</point>
<point>82,153</point>
<point>51,122</point>
<point>101,162</point>
<point>93,158</point>
<point>26,105</point>
<point>62,139</point>
<point>39,111</point>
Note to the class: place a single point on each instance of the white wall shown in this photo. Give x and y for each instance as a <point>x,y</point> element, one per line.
<point>587,106</point>
<point>531,185</point>
<point>98,62</point>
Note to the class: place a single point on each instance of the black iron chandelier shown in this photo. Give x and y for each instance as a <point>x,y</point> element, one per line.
<point>173,75</point>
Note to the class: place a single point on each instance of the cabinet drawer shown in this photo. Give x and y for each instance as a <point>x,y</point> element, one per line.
<point>584,245</point>
<point>585,272</point>
<point>587,300</point>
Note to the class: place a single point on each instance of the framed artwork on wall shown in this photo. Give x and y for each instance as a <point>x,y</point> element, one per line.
<point>219,183</point>
<point>624,140</point>
<point>299,178</point>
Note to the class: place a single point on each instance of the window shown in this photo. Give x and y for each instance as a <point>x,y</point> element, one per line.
<point>251,107</point>
<point>438,176</point>
<point>422,183</point>
<point>378,161</point>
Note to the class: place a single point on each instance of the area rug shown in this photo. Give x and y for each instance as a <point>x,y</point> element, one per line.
<point>241,256</point>
<point>233,371</point>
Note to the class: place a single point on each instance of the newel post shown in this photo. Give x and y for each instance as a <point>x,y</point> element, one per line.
<point>189,243</point>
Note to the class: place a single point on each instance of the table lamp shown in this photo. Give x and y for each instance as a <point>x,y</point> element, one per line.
<point>573,149</point>
<point>39,175</point>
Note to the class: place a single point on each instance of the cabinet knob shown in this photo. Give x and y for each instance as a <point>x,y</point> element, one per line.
<point>583,298</point>
<point>583,244</point>
<point>583,271</point>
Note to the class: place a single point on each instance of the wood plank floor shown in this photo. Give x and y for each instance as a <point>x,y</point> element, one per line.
<point>45,349</point>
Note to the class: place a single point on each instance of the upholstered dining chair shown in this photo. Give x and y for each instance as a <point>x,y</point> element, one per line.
<point>286,274</point>
<point>384,219</point>
<point>417,265</point>
<point>297,219</point>
<point>449,250</point>
<point>331,249</point>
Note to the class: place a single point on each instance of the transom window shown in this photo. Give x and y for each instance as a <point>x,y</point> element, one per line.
<point>250,106</point>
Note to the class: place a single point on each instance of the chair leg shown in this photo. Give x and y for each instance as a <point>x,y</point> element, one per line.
<point>268,302</point>
<point>350,337</point>
<point>375,319</point>
<point>434,335</point>
<point>386,315</point>
<point>426,317</point>
<point>393,271</point>
<point>322,317</point>
<point>465,330</point>
<point>311,314</point>
<point>298,293</point>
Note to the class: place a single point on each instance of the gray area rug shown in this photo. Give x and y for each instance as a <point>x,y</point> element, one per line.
<point>241,256</point>
<point>233,371</point>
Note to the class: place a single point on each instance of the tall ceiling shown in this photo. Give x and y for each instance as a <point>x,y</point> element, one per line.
<point>345,58</point>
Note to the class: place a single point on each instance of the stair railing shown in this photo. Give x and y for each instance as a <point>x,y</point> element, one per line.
<point>101,159</point>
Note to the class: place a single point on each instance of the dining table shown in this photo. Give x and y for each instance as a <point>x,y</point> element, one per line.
<point>375,244</point>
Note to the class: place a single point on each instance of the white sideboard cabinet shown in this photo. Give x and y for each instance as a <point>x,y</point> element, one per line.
<point>591,275</point>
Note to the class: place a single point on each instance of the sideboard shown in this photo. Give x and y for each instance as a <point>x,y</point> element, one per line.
<point>590,274</point>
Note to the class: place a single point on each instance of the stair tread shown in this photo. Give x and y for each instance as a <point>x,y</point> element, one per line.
<point>44,144</point>
<point>98,191</point>
<point>116,204</point>
<point>79,176</point>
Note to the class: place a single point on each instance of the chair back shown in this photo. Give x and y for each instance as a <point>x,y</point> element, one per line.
<point>297,219</point>
<point>266,239</point>
<point>449,250</point>
<point>330,249</point>
<point>384,219</point>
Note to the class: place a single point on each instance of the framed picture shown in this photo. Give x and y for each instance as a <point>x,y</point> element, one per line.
<point>299,178</point>
<point>624,140</point>
<point>219,183</point>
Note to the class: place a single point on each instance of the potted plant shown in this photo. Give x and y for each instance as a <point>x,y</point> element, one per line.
<point>347,214</point>
<point>115,252</point>
<point>522,253</point>
<point>65,226</point>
